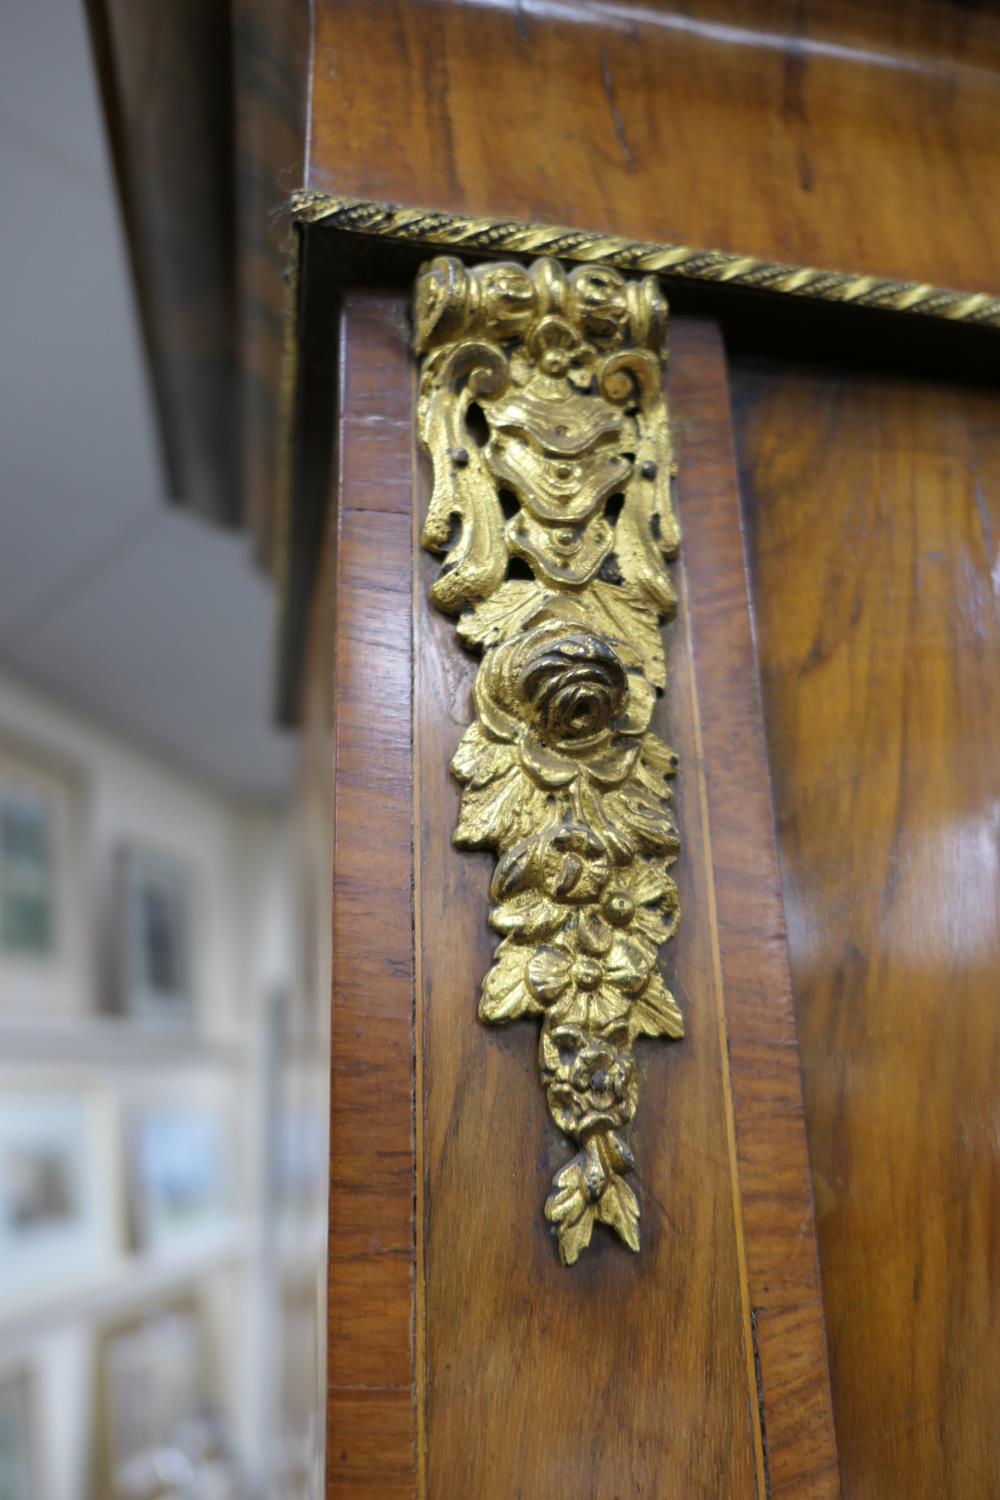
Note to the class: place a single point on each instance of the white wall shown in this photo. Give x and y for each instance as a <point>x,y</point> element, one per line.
<point>241,859</point>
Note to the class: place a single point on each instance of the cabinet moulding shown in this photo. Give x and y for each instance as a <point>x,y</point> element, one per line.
<point>477,235</point>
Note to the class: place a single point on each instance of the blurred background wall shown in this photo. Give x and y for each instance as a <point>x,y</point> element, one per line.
<point>162,1062</point>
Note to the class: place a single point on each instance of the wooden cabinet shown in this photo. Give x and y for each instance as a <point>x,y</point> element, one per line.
<point>837,534</point>
<point>463,1356</point>
<point>832,698</point>
<point>874,504</point>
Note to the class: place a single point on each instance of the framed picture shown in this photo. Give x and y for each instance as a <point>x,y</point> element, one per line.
<point>299,1452</point>
<point>303,1163</point>
<point>154,924</point>
<point>44,917</point>
<point>162,1430</point>
<point>28,897</point>
<point>59,1194</point>
<point>19,1477</point>
<point>180,1175</point>
<point>297,1109</point>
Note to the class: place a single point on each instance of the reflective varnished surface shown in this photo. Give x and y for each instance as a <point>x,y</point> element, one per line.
<point>876,512</point>
<point>463,1358</point>
<point>842,134</point>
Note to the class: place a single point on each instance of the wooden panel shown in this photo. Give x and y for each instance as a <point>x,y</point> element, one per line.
<point>547,1381</point>
<point>875,507</point>
<point>839,133</point>
<point>582,1363</point>
<point>371,1429</point>
<point>782,1272</point>
<point>205,107</point>
<point>463,1358</point>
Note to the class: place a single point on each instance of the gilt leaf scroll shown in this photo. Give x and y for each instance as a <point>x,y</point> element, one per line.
<point>541,406</point>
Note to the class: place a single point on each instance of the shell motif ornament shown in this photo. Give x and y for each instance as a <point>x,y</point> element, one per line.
<point>541,407</point>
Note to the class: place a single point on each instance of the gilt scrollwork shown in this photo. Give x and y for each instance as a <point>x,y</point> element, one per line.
<point>541,406</point>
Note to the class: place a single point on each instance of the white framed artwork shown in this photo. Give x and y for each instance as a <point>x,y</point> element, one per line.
<point>19,1436</point>
<point>154,936</point>
<point>60,1192</point>
<point>45,914</point>
<point>182,1188</point>
<point>162,1431</point>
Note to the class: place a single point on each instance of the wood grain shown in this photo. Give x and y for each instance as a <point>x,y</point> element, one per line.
<point>842,134</point>
<point>372,1379</point>
<point>541,1380</point>
<point>165,78</point>
<point>782,1271</point>
<point>270,45</point>
<point>463,1358</point>
<point>876,519</point>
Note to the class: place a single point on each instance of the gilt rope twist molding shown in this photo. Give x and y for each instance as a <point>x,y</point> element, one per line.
<point>541,406</point>
<point>489,236</point>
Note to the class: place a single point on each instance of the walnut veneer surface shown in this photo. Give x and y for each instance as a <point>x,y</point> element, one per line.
<point>835,134</point>
<point>463,1357</point>
<point>875,519</point>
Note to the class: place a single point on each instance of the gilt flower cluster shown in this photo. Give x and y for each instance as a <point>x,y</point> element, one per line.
<point>542,410</point>
<point>563,775</point>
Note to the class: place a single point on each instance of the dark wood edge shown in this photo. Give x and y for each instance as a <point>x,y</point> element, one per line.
<point>371,1359</point>
<point>106,69</point>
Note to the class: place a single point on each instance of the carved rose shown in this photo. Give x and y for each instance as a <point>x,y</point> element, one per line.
<point>562,736</point>
<point>507,299</point>
<point>601,303</point>
<point>562,695</point>
<point>451,300</point>
<point>574,688</point>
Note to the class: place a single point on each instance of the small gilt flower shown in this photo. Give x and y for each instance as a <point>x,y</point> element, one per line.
<point>563,880</point>
<point>640,902</point>
<point>589,989</point>
<point>558,352</point>
<point>543,880</point>
<point>591,1081</point>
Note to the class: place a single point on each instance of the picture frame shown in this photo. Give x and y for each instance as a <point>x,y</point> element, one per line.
<point>301,1155</point>
<point>20,1477</point>
<point>161,1426</point>
<point>154,936</point>
<point>45,917</point>
<point>298,1456</point>
<point>60,1201</point>
<point>182,1189</point>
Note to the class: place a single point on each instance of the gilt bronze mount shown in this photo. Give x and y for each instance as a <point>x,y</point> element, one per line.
<point>541,406</point>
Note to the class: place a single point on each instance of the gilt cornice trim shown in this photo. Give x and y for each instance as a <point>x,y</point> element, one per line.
<point>679,263</point>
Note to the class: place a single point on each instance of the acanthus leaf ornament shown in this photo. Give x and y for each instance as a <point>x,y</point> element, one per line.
<point>541,406</point>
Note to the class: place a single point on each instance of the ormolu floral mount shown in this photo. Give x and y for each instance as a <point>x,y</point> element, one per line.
<point>541,406</point>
